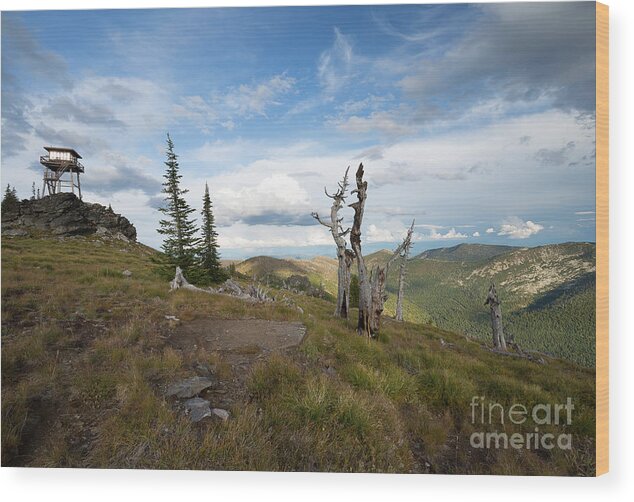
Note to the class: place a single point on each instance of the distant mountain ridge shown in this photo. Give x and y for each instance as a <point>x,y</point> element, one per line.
<point>466,252</point>
<point>547,292</point>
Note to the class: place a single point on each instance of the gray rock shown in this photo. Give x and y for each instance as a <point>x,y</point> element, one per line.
<point>189,388</point>
<point>63,214</point>
<point>221,414</point>
<point>198,408</point>
<point>126,273</point>
<point>15,232</point>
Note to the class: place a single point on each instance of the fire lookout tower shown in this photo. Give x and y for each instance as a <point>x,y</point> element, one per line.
<point>61,170</point>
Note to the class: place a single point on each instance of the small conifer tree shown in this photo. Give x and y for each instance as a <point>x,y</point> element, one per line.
<point>180,243</point>
<point>208,253</point>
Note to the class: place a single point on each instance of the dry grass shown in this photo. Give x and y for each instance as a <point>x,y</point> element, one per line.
<point>85,362</point>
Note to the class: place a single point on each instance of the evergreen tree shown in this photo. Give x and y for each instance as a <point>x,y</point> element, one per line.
<point>10,199</point>
<point>208,252</point>
<point>180,243</point>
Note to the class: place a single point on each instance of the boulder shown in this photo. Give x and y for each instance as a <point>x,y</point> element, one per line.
<point>189,388</point>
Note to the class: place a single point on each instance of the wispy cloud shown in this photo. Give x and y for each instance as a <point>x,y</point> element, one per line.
<point>335,66</point>
<point>242,102</point>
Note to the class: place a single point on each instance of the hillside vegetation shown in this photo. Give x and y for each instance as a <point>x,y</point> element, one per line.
<point>86,358</point>
<point>547,292</point>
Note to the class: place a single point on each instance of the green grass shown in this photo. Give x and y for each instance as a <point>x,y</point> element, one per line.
<point>85,365</point>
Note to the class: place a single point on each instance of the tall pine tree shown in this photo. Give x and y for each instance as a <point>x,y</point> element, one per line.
<point>208,253</point>
<point>180,242</point>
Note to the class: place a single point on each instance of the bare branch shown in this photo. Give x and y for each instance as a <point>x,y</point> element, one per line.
<point>328,195</point>
<point>318,218</point>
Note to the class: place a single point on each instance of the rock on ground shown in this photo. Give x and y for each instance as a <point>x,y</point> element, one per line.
<point>189,388</point>
<point>198,408</point>
<point>221,414</point>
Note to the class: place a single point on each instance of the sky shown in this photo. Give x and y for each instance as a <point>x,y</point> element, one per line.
<point>475,120</point>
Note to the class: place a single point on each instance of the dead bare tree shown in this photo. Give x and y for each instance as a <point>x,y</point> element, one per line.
<point>493,302</point>
<point>345,256</point>
<point>372,293</point>
<point>403,252</point>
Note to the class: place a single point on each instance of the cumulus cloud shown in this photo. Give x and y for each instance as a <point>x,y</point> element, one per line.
<point>490,230</point>
<point>515,228</point>
<point>451,234</point>
<point>120,173</point>
<point>275,200</point>
<point>243,236</point>
<point>476,234</point>
<point>375,234</point>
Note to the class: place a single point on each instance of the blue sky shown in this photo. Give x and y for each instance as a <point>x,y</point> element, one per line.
<point>477,120</point>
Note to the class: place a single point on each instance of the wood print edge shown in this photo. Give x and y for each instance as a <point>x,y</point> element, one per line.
<point>602,238</point>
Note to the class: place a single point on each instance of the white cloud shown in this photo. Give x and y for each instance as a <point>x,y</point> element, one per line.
<point>255,99</point>
<point>451,234</point>
<point>490,230</point>
<point>375,234</point>
<point>242,236</point>
<point>476,234</point>
<point>273,196</point>
<point>515,228</point>
<point>243,101</point>
<point>388,123</point>
<point>335,64</point>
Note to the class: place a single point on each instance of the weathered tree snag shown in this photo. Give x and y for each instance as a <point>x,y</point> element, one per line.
<point>372,293</point>
<point>345,257</point>
<point>403,250</point>
<point>179,281</point>
<point>493,301</point>
<point>365,288</point>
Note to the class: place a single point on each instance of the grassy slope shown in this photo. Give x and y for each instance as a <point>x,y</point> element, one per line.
<point>548,301</point>
<point>85,362</point>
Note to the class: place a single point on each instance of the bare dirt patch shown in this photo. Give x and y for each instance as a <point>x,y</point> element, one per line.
<point>238,334</point>
<point>237,345</point>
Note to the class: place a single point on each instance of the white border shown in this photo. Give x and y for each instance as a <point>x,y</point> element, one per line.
<point>109,485</point>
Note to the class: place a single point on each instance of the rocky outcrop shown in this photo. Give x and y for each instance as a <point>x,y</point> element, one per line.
<point>64,214</point>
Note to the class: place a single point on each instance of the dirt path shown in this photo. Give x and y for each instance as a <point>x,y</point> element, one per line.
<point>239,344</point>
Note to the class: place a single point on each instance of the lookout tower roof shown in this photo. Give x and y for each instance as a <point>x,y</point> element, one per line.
<point>62,149</point>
